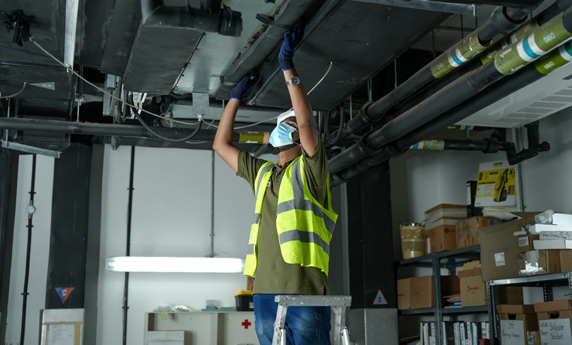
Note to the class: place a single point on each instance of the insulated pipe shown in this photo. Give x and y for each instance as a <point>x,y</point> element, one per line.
<point>122,130</point>
<point>501,21</point>
<point>505,63</point>
<point>224,21</point>
<point>529,74</point>
<point>485,146</point>
<point>486,56</point>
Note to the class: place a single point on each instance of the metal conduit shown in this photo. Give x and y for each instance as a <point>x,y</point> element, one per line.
<point>505,63</point>
<point>528,75</point>
<point>501,21</point>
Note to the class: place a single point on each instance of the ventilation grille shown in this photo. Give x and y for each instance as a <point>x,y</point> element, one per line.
<point>544,107</point>
<point>568,77</point>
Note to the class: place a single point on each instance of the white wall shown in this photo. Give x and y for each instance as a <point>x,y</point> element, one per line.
<point>39,250</point>
<point>171,217</point>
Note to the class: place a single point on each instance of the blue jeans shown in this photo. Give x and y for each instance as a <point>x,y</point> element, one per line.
<point>304,325</point>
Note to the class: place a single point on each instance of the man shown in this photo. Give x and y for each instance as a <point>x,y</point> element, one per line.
<point>294,220</point>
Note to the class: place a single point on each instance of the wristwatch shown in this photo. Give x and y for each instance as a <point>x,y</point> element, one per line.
<point>295,80</point>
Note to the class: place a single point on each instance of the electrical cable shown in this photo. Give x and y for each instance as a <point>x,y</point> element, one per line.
<point>69,69</point>
<point>17,93</point>
<point>275,117</point>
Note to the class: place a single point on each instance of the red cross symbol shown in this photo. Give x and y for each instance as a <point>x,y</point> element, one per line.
<point>246,323</point>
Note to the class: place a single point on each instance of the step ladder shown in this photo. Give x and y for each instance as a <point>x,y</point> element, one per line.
<point>338,305</point>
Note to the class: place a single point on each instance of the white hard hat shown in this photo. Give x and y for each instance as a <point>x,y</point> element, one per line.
<point>284,116</point>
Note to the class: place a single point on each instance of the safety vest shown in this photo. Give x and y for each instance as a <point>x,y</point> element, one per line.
<point>304,226</point>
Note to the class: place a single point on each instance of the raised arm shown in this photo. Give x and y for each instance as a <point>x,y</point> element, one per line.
<point>223,140</point>
<point>300,102</point>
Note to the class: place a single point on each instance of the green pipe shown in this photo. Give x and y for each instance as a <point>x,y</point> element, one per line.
<point>533,46</point>
<point>430,144</point>
<point>458,54</point>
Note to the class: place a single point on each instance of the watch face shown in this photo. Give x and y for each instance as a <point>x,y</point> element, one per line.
<point>293,81</point>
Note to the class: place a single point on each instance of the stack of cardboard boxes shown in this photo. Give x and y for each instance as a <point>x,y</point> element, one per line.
<point>545,244</point>
<point>541,323</point>
<point>417,292</point>
<point>440,221</point>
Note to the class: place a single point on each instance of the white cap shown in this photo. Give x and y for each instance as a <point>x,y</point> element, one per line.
<point>284,116</point>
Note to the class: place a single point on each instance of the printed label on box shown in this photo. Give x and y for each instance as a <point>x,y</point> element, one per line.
<point>523,241</point>
<point>532,337</point>
<point>428,248</point>
<point>499,259</point>
<point>512,332</point>
<point>555,332</point>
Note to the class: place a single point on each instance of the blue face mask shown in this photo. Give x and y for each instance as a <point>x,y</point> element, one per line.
<point>282,135</point>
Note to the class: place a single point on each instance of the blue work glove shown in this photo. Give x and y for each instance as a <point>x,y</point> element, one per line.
<point>291,39</point>
<point>240,88</point>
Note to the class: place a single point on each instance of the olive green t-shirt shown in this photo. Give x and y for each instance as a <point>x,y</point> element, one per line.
<point>273,274</point>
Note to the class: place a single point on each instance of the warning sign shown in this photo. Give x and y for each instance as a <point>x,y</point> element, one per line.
<point>379,299</point>
<point>64,293</point>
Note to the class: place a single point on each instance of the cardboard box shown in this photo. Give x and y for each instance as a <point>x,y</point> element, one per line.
<point>554,322</point>
<point>451,221</point>
<point>468,229</point>
<point>553,244</point>
<point>496,185</point>
<point>403,294</point>
<point>518,323</point>
<point>421,290</point>
<point>446,210</point>
<point>510,295</point>
<point>565,260</point>
<point>473,289</point>
<point>525,243</point>
<point>443,238</point>
<point>545,261</point>
<point>165,337</point>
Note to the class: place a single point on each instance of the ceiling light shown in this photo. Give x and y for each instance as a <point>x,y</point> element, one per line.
<point>174,264</point>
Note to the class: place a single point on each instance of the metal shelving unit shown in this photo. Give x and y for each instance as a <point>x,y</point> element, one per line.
<point>546,281</point>
<point>449,260</point>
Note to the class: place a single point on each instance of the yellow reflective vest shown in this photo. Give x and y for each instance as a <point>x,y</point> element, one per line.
<point>305,227</point>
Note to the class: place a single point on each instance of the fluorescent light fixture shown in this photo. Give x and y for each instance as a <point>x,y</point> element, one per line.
<point>174,264</point>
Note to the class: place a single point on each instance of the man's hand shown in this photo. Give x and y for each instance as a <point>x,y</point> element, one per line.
<point>291,39</point>
<point>240,89</point>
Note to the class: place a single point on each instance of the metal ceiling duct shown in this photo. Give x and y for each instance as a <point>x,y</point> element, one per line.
<point>166,40</point>
<point>360,38</point>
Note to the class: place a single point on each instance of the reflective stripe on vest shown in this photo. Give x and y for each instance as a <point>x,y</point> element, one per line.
<point>262,178</point>
<point>305,226</point>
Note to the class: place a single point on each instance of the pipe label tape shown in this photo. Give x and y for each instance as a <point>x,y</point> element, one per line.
<point>555,59</point>
<point>457,55</point>
<point>532,47</point>
<point>251,138</point>
<point>514,37</point>
<point>435,144</point>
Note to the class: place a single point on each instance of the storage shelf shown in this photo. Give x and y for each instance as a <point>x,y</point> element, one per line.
<point>469,252</point>
<point>539,280</point>
<point>430,311</point>
<point>466,310</point>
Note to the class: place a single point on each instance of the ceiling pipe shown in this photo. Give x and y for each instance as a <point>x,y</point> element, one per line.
<point>100,129</point>
<point>502,21</point>
<point>505,63</point>
<point>224,21</point>
<point>528,75</point>
<point>473,64</point>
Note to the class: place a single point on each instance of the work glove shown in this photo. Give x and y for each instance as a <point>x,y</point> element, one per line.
<point>291,39</point>
<point>240,89</point>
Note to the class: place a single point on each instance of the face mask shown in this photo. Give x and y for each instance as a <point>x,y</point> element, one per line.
<point>282,135</point>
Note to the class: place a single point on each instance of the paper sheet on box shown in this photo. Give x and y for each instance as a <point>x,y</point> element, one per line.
<point>555,332</point>
<point>512,332</point>
<point>61,334</point>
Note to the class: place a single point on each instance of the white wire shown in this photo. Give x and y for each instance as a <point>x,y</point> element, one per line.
<point>17,93</point>
<point>69,69</point>
<point>309,92</point>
